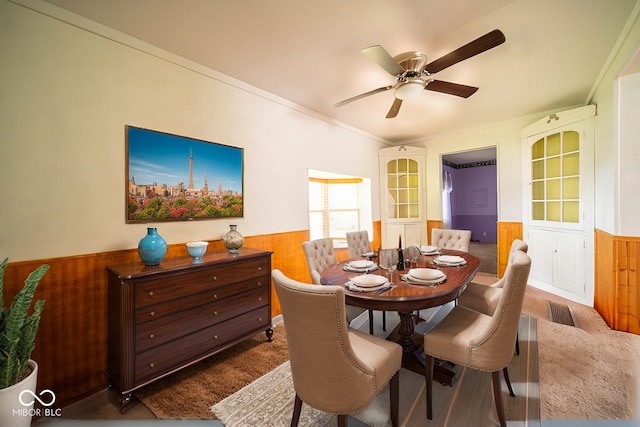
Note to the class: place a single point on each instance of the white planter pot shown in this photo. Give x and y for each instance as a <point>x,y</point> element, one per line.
<point>12,412</point>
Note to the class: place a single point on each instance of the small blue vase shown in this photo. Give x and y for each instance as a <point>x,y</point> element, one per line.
<point>152,248</point>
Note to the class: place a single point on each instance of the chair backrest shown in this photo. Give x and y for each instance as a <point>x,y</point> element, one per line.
<point>358,243</point>
<point>327,374</point>
<point>451,239</point>
<point>492,347</point>
<point>320,256</point>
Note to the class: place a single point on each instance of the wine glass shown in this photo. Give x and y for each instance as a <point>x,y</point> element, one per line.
<point>388,261</point>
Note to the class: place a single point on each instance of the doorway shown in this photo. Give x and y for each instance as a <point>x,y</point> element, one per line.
<point>470,201</point>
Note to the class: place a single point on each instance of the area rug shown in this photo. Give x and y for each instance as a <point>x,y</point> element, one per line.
<point>269,401</point>
<point>189,394</point>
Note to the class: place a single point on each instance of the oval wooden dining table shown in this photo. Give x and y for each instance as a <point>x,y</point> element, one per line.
<point>406,298</point>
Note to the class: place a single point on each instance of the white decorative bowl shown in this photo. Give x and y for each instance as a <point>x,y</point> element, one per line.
<point>196,250</point>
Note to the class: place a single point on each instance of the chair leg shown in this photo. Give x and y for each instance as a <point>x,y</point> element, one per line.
<point>384,321</point>
<point>429,384</point>
<point>370,322</point>
<point>394,397</point>
<point>343,420</point>
<point>505,371</point>
<point>297,408</point>
<point>517,345</point>
<point>497,396</point>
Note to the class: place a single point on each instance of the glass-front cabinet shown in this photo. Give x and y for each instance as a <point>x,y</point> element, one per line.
<point>558,202</point>
<point>402,198</point>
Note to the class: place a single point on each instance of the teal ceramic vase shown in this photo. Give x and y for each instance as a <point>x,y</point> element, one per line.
<point>152,248</point>
<point>233,240</point>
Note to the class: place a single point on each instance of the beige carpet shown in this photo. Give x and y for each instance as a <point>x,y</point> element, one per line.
<point>587,372</point>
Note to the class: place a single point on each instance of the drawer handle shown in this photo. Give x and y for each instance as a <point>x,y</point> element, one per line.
<point>259,319</point>
<point>259,298</point>
<point>153,313</point>
<point>215,296</point>
<point>151,365</point>
<point>151,336</point>
<point>215,313</point>
<point>259,268</point>
<point>259,283</point>
<point>215,277</point>
<point>215,337</point>
<point>150,293</point>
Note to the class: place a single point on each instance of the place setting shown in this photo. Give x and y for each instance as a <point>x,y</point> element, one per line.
<point>368,283</point>
<point>427,250</point>
<point>360,266</point>
<point>424,276</point>
<point>449,261</point>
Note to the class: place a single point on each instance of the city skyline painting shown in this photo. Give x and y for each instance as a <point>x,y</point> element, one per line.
<point>176,178</point>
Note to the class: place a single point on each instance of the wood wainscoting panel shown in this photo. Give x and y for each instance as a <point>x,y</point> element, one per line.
<point>617,282</point>
<point>71,345</point>
<point>431,224</point>
<point>507,233</point>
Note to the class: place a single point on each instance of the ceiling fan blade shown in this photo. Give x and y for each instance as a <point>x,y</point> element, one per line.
<point>393,111</point>
<point>456,89</point>
<point>383,59</point>
<point>362,95</point>
<point>479,45</point>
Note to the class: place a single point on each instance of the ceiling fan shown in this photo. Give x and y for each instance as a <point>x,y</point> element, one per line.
<point>413,73</point>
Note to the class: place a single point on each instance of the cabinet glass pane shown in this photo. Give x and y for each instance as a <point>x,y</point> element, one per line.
<point>403,181</point>
<point>414,196</point>
<point>553,167</point>
<point>403,211</point>
<point>537,211</point>
<point>553,211</point>
<point>553,144</point>
<point>537,151</point>
<point>570,212</point>
<point>537,171</point>
<point>403,196</point>
<point>553,189</point>
<point>393,196</point>
<point>571,164</point>
<point>402,165</point>
<point>413,181</point>
<point>392,181</point>
<point>537,190</point>
<point>414,211</point>
<point>571,141</point>
<point>392,166</point>
<point>413,166</point>
<point>571,188</point>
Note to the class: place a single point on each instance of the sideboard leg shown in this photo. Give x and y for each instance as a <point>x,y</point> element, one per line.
<point>269,333</point>
<point>125,400</point>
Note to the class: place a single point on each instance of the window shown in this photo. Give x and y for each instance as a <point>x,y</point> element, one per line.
<point>338,205</point>
<point>555,178</point>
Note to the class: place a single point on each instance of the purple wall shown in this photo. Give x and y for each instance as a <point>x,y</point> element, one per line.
<point>474,204</point>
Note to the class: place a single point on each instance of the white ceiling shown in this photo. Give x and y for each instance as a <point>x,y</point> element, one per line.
<point>309,52</point>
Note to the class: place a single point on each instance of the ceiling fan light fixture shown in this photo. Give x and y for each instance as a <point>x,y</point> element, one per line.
<point>410,88</point>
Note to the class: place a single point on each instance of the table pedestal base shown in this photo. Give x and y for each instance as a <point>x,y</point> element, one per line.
<point>412,354</point>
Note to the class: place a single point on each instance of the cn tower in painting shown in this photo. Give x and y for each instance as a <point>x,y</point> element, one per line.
<point>190,187</point>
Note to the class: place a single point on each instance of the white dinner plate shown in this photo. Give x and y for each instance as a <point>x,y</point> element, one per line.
<point>426,274</point>
<point>369,280</point>
<point>450,259</point>
<point>429,249</point>
<point>361,265</point>
<point>353,287</point>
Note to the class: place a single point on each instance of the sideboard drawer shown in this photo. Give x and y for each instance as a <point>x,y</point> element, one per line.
<point>157,332</point>
<point>152,312</point>
<point>162,359</point>
<point>179,284</point>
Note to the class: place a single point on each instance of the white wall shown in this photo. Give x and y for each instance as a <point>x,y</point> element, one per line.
<point>66,96</point>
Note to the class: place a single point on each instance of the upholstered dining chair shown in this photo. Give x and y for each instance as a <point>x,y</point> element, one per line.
<point>320,256</point>
<point>335,368</point>
<point>451,239</point>
<point>358,243</point>
<point>479,341</point>
<point>484,298</point>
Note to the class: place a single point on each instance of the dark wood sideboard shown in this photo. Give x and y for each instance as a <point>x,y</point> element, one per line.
<point>164,318</point>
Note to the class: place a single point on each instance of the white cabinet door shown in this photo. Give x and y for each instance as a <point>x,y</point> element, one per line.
<point>569,263</point>
<point>541,251</point>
